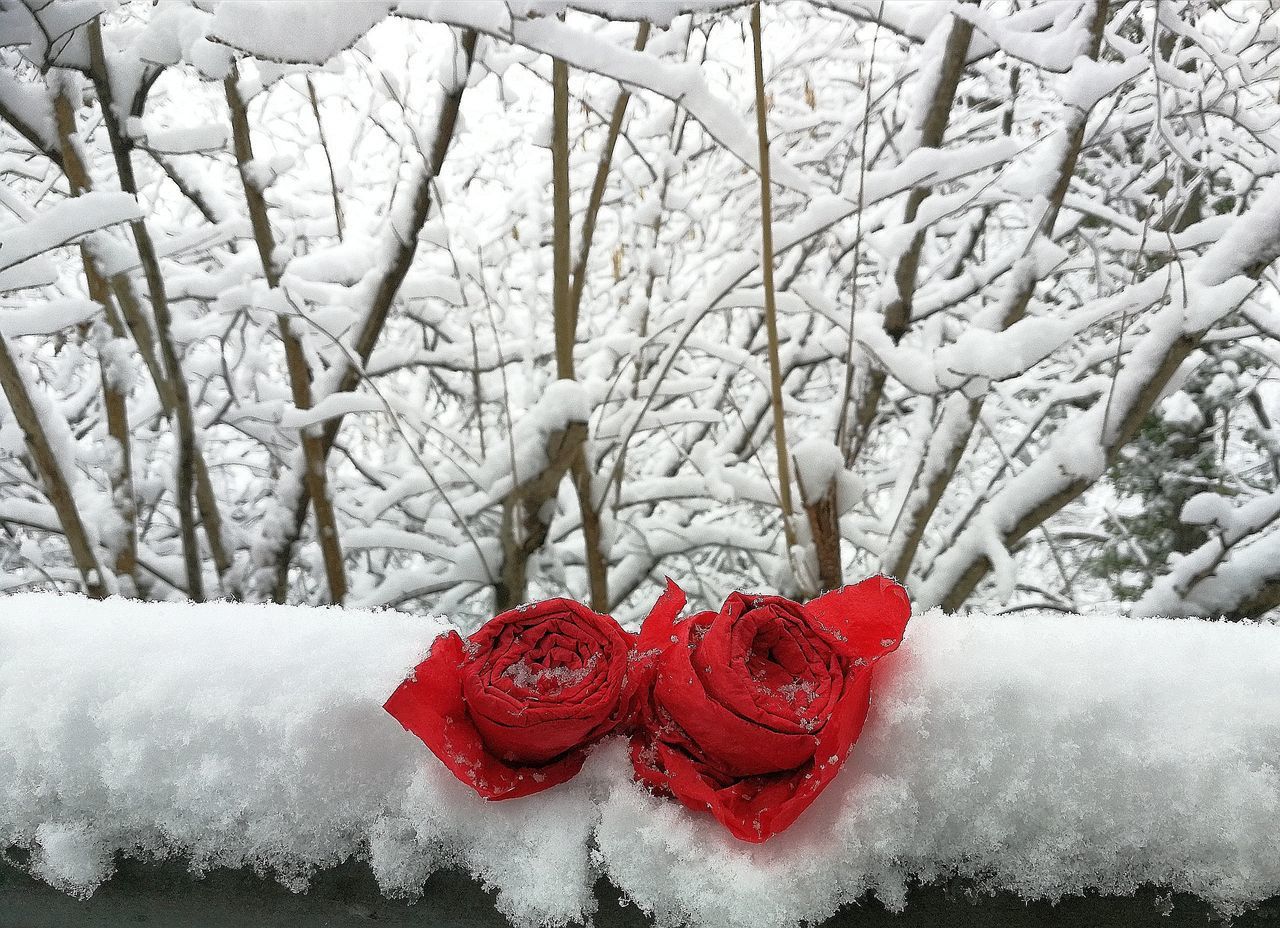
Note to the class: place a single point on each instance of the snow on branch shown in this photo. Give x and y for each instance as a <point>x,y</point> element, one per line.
<point>323,35</point>
<point>295,31</point>
<point>26,108</point>
<point>1238,566</point>
<point>46,318</point>
<point>64,223</point>
<point>1079,451</point>
<point>300,32</point>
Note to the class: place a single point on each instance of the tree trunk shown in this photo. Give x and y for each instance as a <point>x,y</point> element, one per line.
<point>183,418</point>
<point>770,298</point>
<point>524,531</point>
<point>113,398</point>
<point>897,315</point>
<point>294,501</point>
<point>313,450</point>
<point>960,414</point>
<point>57,486</point>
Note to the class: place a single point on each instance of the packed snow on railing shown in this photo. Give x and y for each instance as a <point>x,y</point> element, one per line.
<point>1041,754</point>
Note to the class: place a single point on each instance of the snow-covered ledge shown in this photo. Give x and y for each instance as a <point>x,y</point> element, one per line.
<point>1041,755</point>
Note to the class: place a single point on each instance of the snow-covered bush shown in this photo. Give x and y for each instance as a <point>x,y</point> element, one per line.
<point>285,289</point>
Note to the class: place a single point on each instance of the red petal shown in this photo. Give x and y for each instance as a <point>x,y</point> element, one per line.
<point>429,704</point>
<point>730,742</point>
<point>655,633</point>
<point>545,679</point>
<point>655,637</point>
<point>776,814</point>
<point>865,620</point>
<point>752,685</point>
<point>754,808</point>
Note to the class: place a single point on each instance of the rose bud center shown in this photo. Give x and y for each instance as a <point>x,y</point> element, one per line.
<point>795,676</point>
<point>542,688</point>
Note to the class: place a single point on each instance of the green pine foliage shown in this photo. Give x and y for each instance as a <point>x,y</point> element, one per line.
<point>1195,441</point>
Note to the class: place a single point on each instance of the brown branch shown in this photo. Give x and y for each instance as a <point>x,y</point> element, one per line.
<point>313,450</point>
<point>120,472</point>
<point>824,525</point>
<point>770,298</point>
<point>598,187</point>
<point>567,296</point>
<point>565,317</point>
<point>950,439</point>
<point>1261,601</point>
<point>967,580</point>
<point>196,196</point>
<point>278,554</point>
<point>121,287</point>
<point>328,157</point>
<point>897,315</point>
<point>188,460</point>
<point>57,487</point>
<point>402,260</point>
<point>523,531</point>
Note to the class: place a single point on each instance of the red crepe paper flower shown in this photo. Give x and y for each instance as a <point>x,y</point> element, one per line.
<point>512,710</point>
<point>752,710</point>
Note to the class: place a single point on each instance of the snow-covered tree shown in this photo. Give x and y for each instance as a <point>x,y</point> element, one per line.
<point>456,305</point>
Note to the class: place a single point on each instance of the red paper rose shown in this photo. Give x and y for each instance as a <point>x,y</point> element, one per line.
<point>512,710</point>
<point>752,710</point>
